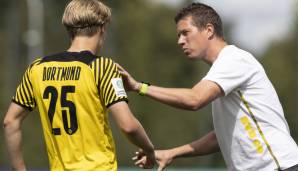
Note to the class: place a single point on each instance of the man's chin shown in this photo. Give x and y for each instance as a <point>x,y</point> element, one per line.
<point>190,56</point>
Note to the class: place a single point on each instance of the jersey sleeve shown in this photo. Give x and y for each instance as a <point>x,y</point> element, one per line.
<point>111,87</point>
<point>230,73</point>
<point>24,94</point>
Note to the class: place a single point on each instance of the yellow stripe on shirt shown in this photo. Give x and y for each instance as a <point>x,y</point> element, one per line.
<point>259,129</point>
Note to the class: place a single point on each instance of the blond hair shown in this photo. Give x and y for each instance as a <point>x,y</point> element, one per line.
<point>84,17</point>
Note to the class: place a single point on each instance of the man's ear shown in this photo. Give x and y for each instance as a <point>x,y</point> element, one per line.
<point>210,30</point>
<point>102,30</point>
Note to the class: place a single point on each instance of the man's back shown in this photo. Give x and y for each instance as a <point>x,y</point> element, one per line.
<point>72,91</point>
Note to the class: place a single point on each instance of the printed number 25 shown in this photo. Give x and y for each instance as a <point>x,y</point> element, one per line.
<point>72,128</point>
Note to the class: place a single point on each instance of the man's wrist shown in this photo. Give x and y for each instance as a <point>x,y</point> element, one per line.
<point>173,153</point>
<point>143,88</point>
<point>137,87</point>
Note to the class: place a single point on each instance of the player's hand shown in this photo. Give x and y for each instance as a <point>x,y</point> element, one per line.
<point>144,161</point>
<point>163,158</point>
<point>129,82</point>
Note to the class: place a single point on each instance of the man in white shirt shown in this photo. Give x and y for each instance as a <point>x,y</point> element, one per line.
<point>249,124</point>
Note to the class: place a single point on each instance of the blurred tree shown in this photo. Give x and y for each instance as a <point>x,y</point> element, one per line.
<point>280,62</point>
<point>10,51</point>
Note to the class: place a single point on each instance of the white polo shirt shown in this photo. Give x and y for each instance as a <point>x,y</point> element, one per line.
<point>249,122</point>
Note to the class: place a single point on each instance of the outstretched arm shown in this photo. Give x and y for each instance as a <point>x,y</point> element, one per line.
<point>13,135</point>
<point>191,99</point>
<point>206,145</point>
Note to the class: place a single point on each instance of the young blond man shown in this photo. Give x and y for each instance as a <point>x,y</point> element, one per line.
<point>74,90</point>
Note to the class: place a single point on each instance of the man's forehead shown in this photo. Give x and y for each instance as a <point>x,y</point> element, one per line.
<point>185,22</point>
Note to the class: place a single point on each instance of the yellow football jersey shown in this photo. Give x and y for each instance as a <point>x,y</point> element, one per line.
<point>72,91</point>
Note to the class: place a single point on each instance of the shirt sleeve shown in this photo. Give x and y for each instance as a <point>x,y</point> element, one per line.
<point>230,73</point>
<point>24,94</point>
<point>110,83</point>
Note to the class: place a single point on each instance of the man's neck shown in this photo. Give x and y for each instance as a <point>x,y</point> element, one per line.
<point>212,53</point>
<point>83,43</point>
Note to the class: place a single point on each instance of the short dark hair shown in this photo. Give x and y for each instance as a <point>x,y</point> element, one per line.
<point>202,15</point>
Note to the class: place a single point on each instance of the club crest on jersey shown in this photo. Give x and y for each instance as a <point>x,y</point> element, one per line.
<point>118,87</point>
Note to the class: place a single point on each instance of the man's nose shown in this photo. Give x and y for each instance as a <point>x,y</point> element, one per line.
<point>181,40</point>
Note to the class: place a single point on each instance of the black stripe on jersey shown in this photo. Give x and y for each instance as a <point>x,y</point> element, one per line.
<point>28,79</point>
<point>101,68</point>
<point>104,70</point>
<point>24,94</point>
<point>110,94</point>
<point>95,71</point>
<point>106,78</point>
<point>19,97</point>
<point>108,86</point>
<point>94,65</point>
<point>28,87</point>
<point>109,90</point>
<point>84,56</point>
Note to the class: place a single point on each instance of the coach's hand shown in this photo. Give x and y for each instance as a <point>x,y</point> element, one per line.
<point>163,158</point>
<point>129,82</point>
<point>143,160</point>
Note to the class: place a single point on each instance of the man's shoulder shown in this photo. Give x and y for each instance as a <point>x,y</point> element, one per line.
<point>105,60</point>
<point>236,56</point>
<point>234,51</point>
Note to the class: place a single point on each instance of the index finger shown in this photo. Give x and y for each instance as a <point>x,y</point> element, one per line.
<point>120,67</point>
